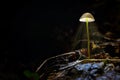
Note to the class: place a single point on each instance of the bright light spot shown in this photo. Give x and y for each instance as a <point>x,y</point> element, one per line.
<point>84,20</point>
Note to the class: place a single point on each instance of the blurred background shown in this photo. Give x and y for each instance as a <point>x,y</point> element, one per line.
<point>32,31</point>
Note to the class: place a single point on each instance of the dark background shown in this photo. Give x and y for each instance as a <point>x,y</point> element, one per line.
<point>32,31</point>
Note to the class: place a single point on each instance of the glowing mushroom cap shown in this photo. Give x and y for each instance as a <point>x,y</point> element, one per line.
<point>87,17</point>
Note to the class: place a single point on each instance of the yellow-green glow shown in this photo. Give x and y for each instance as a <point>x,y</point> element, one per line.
<point>87,17</point>
<point>88,38</point>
